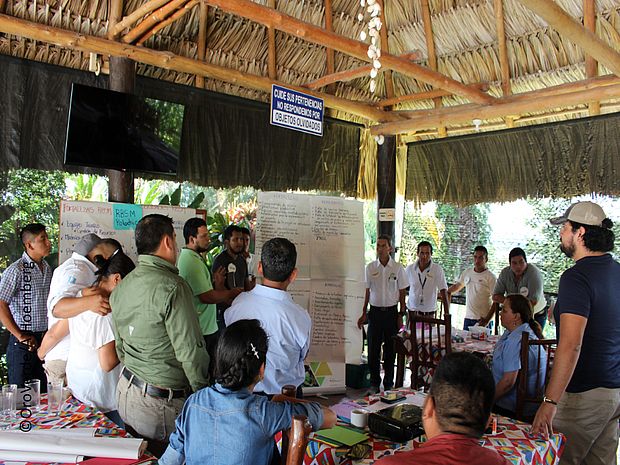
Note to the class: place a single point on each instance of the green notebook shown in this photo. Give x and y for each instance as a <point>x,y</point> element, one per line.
<point>343,435</point>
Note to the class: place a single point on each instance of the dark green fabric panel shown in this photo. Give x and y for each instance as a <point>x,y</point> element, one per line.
<point>227,141</point>
<point>552,160</point>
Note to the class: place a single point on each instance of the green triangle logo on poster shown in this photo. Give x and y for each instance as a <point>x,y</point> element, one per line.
<point>320,380</point>
<point>323,369</point>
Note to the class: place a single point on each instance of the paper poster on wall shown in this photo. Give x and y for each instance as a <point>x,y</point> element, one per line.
<point>328,235</point>
<point>113,220</point>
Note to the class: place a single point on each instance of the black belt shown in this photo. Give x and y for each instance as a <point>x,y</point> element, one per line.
<point>384,309</point>
<point>153,390</point>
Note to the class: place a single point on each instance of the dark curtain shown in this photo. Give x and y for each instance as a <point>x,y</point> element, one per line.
<point>227,141</point>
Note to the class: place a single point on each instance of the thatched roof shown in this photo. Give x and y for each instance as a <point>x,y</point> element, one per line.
<point>508,63</point>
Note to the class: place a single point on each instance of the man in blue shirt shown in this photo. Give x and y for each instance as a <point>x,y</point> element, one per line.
<point>582,399</point>
<point>287,324</point>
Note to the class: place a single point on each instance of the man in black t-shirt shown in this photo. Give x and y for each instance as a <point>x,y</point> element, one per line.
<point>582,399</point>
<point>231,259</point>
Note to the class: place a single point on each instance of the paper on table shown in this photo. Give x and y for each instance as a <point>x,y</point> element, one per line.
<point>77,432</point>
<point>44,457</point>
<point>60,443</point>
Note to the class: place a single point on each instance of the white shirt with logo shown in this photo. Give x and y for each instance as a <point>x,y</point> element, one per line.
<point>424,285</point>
<point>385,282</point>
<point>479,292</point>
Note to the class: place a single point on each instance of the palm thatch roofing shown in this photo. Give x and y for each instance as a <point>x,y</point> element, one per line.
<point>449,67</point>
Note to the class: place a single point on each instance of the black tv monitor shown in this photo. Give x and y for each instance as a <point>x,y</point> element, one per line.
<point>115,130</point>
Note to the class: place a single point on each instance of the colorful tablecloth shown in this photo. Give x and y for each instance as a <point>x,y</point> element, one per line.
<point>513,441</point>
<point>74,414</point>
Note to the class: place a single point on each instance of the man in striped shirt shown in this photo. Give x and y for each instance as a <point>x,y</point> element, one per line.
<point>23,295</point>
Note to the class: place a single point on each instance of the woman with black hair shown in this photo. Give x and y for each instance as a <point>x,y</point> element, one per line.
<point>227,424</point>
<point>517,317</point>
<point>93,368</point>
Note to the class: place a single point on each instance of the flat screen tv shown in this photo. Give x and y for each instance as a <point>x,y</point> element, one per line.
<point>114,130</point>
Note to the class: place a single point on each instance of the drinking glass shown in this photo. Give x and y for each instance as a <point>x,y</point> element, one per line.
<point>8,405</point>
<point>54,397</point>
<point>32,394</point>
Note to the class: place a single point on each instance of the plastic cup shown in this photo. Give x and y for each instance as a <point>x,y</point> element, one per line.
<point>32,394</point>
<point>54,397</point>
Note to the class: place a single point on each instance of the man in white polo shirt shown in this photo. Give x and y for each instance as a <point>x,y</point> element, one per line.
<point>426,278</point>
<point>479,283</point>
<point>385,288</point>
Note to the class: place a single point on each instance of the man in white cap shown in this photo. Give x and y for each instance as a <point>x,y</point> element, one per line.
<point>65,300</point>
<point>582,399</point>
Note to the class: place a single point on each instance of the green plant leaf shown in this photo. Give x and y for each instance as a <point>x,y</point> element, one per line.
<point>197,201</point>
<point>165,200</point>
<point>175,197</point>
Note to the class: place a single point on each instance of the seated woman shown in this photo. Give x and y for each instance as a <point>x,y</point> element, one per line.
<point>227,424</point>
<point>516,316</point>
<point>93,367</point>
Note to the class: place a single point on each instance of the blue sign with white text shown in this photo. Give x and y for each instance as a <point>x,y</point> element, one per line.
<point>295,110</point>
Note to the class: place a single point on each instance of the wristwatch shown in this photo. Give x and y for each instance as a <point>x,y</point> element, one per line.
<point>549,401</point>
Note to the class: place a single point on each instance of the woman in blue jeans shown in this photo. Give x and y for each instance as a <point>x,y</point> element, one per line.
<point>227,424</point>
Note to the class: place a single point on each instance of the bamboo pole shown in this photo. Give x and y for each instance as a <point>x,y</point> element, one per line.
<point>202,40</point>
<point>515,104</point>
<point>427,95</point>
<point>432,56</point>
<point>558,19</point>
<point>114,15</point>
<point>330,55</point>
<point>152,20</point>
<point>589,22</point>
<point>349,74</point>
<point>167,60</point>
<point>177,15</point>
<point>272,69</point>
<point>383,34</point>
<point>290,25</point>
<point>136,15</point>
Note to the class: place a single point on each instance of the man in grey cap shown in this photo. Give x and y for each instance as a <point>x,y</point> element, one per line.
<point>582,399</point>
<point>65,300</point>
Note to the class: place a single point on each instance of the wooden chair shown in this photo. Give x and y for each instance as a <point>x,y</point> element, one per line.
<point>523,396</point>
<point>426,350</point>
<point>295,440</point>
<point>496,323</point>
<point>298,441</point>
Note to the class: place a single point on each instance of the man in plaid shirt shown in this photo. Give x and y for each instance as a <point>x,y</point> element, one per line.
<point>23,312</point>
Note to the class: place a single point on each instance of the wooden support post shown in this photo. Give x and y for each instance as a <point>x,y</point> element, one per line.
<point>432,56</point>
<point>122,79</point>
<point>386,184</point>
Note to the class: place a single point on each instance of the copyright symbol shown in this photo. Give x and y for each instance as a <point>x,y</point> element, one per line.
<point>25,426</point>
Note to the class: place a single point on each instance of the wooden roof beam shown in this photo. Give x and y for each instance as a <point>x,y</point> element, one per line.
<point>175,16</point>
<point>349,74</point>
<point>513,105</point>
<point>498,7</point>
<point>167,60</point>
<point>130,19</point>
<point>203,25</point>
<point>426,95</point>
<point>152,20</point>
<point>272,69</point>
<point>432,56</point>
<point>309,32</point>
<point>330,54</point>
<point>115,12</point>
<point>383,35</point>
<point>589,22</point>
<point>562,22</point>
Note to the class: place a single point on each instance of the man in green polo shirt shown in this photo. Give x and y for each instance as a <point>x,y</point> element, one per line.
<point>158,337</point>
<point>194,269</point>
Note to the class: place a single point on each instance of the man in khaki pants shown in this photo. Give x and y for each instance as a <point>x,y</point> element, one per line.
<point>158,337</point>
<point>582,399</point>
